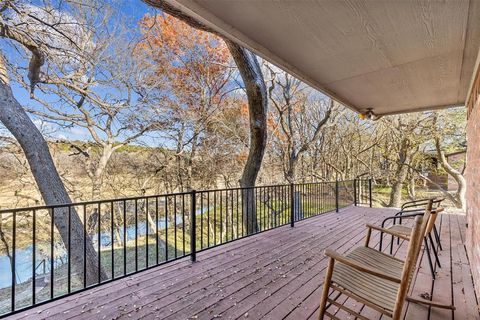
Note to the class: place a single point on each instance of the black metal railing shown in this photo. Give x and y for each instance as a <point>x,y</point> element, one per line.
<point>52,251</point>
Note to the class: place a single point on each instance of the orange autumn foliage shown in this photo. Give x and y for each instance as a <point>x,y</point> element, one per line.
<point>191,66</point>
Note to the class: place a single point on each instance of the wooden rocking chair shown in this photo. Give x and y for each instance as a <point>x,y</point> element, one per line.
<point>405,231</point>
<point>373,278</point>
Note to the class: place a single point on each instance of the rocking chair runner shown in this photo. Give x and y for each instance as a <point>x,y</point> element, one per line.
<point>373,278</point>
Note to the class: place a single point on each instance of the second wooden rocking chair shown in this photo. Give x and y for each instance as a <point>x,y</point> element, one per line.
<point>373,278</point>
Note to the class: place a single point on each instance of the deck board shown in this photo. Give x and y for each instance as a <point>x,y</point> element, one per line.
<point>277,274</point>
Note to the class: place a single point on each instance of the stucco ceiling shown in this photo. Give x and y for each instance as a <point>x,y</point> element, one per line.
<point>392,56</point>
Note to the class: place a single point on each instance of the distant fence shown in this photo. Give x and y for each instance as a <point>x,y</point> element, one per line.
<point>48,252</point>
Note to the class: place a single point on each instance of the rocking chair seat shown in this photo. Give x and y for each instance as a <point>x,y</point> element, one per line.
<point>380,292</point>
<point>377,260</point>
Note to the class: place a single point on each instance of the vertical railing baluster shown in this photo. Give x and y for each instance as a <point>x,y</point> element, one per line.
<point>236,194</point>
<point>370,191</point>
<point>208,219</point>
<point>280,208</point>
<point>52,256</point>
<point>266,194</point>
<point>308,195</point>
<point>99,244</point>
<point>175,222</point>
<point>221,216</point>
<point>292,205</point>
<point>14,257</point>
<point>242,193</point>
<point>310,201</point>
<point>125,237</point>
<point>258,209</point>
<point>69,253</point>
<point>261,191</point>
<point>34,254</point>
<point>304,201</point>
<point>84,246</point>
<point>156,230</point>
<point>147,232</point>
<point>248,207</point>
<point>283,217</point>
<point>336,195</point>
<point>355,192</point>
<point>231,215</point>
<point>112,241</point>
<point>214,217</point>
<point>201,220</point>
<point>265,213</point>
<point>136,234</point>
<point>166,228</point>
<point>183,223</point>
<point>193,225</point>
<point>270,204</point>
<point>255,224</point>
<point>286,216</point>
<point>262,207</point>
<point>320,197</point>
<point>226,215</point>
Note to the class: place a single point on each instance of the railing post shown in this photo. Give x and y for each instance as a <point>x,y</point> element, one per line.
<point>292,207</point>
<point>336,195</point>
<point>193,227</point>
<point>370,191</point>
<point>355,192</point>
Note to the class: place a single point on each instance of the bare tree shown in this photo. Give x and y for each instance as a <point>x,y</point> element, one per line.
<point>34,33</point>
<point>302,115</point>
<point>97,88</point>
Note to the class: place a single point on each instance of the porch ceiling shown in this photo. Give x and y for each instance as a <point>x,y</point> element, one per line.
<point>392,56</point>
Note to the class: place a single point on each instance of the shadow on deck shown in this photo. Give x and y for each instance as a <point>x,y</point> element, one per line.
<point>273,275</point>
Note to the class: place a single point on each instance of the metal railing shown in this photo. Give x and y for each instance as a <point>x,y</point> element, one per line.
<point>85,244</point>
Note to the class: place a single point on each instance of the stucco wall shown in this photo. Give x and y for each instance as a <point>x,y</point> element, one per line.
<point>473,189</point>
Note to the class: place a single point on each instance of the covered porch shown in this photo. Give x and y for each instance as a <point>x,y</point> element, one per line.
<point>277,274</point>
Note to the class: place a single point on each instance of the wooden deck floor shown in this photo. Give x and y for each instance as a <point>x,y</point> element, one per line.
<point>273,275</point>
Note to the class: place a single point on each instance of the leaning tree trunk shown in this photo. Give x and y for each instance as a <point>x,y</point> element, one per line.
<point>252,76</point>
<point>16,120</point>
<point>251,73</point>
<point>460,195</point>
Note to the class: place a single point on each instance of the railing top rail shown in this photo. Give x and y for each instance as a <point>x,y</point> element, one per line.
<point>112,200</point>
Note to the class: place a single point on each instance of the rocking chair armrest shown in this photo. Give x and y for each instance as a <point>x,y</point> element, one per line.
<point>359,266</point>
<point>393,233</point>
